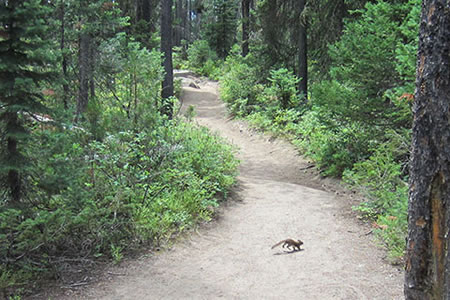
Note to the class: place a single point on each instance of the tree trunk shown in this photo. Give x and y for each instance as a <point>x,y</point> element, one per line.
<point>302,54</point>
<point>185,20</point>
<point>13,156</point>
<point>145,13</point>
<point>427,256</point>
<point>92,50</point>
<point>166,49</point>
<point>189,21</point>
<point>245,26</point>
<point>83,65</point>
<point>178,21</point>
<point>64,57</point>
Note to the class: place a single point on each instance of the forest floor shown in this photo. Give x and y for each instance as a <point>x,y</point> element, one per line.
<point>278,196</point>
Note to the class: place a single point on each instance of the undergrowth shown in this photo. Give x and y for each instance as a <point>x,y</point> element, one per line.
<point>129,190</point>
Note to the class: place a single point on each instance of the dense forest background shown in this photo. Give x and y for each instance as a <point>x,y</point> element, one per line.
<point>96,161</point>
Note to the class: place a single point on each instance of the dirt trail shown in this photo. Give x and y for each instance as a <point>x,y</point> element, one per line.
<point>275,199</point>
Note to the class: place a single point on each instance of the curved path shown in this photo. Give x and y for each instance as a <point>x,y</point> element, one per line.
<point>231,258</point>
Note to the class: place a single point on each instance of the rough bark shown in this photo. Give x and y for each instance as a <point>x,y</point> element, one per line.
<point>178,29</point>
<point>166,49</point>
<point>188,21</point>
<point>83,64</point>
<point>427,257</point>
<point>245,26</point>
<point>14,181</point>
<point>145,10</point>
<point>302,54</point>
<point>91,63</point>
<point>64,56</point>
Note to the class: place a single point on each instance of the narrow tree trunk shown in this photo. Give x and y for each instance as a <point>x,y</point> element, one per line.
<point>145,13</point>
<point>83,64</point>
<point>64,57</point>
<point>189,21</point>
<point>166,49</point>
<point>427,256</point>
<point>245,26</point>
<point>184,20</point>
<point>302,55</point>
<point>13,157</point>
<point>178,21</point>
<point>92,49</point>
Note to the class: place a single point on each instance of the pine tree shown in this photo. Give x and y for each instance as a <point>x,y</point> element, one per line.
<point>302,53</point>
<point>221,31</point>
<point>245,5</point>
<point>24,61</point>
<point>166,49</point>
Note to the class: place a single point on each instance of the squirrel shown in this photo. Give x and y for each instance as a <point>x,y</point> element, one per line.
<point>288,243</point>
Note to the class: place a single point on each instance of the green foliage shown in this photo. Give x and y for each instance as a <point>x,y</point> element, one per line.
<point>103,197</point>
<point>24,61</point>
<point>334,147</point>
<point>116,254</point>
<point>220,31</point>
<point>364,64</point>
<point>278,107</point>
<point>202,59</point>
<point>122,178</point>
<point>371,69</point>
<point>363,57</point>
<point>407,44</point>
<point>381,178</point>
<point>381,174</point>
<point>133,101</point>
<point>284,88</point>
<point>179,58</point>
<point>239,86</point>
<point>277,40</point>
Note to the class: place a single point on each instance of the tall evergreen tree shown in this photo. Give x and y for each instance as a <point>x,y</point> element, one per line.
<point>166,49</point>
<point>302,53</point>
<point>23,66</point>
<point>245,26</point>
<point>221,27</point>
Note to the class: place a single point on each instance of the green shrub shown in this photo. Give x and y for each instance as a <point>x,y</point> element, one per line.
<point>179,59</point>
<point>381,178</point>
<point>102,198</point>
<point>283,87</point>
<point>334,147</point>
<point>239,86</point>
<point>199,53</point>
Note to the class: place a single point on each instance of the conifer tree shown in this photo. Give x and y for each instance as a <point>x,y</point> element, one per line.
<point>221,31</point>
<point>166,49</point>
<point>23,66</point>
<point>245,26</point>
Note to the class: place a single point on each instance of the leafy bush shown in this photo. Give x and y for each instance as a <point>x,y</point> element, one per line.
<point>333,146</point>
<point>238,86</point>
<point>199,53</point>
<point>382,180</point>
<point>277,105</point>
<point>283,89</point>
<point>127,65</point>
<point>103,197</point>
